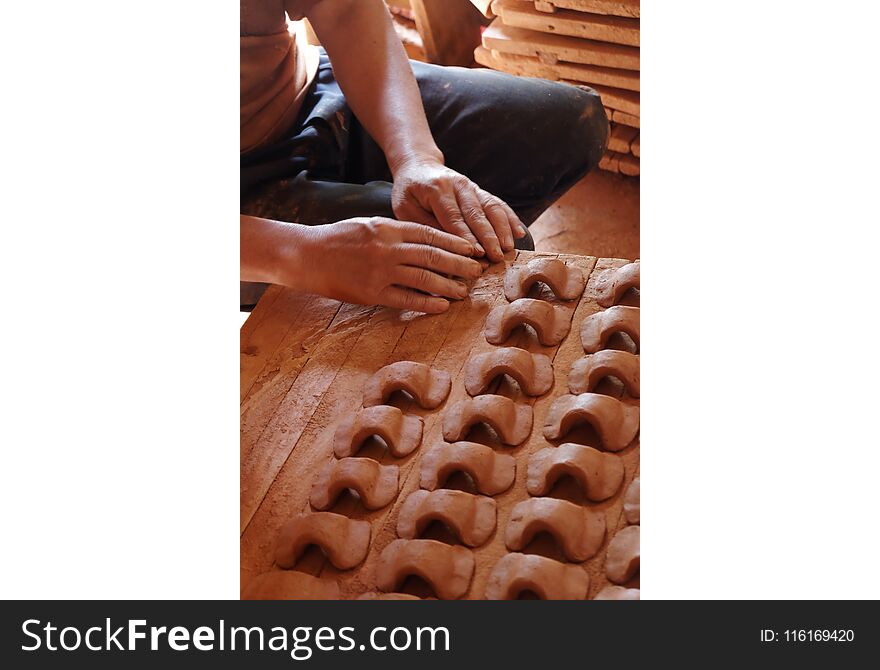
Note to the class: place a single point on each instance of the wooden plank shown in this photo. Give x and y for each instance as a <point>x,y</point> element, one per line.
<point>602,28</point>
<point>621,137</point>
<point>612,7</point>
<point>618,99</point>
<point>450,30</point>
<point>625,119</point>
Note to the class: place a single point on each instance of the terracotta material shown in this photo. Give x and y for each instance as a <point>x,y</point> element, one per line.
<point>375,595</point>
<point>621,138</point>
<point>511,421</point>
<point>447,568</point>
<point>492,473</point>
<point>617,593</point>
<point>598,327</point>
<point>631,503</point>
<point>615,98</point>
<point>375,484</point>
<point>401,432</point>
<point>551,322</point>
<point>610,162</point>
<point>427,386</point>
<point>622,558</point>
<point>629,165</point>
<point>626,119</point>
<point>344,541</point>
<point>616,423</point>
<point>618,283</point>
<point>289,585</point>
<point>470,517</point>
<point>548,579</point>
<point>613,7</point>
<point>600,475</point>
<point>614,29</point>
<point>533,372</point>
<point>579,531</point>
<point>635,147</point>
<point>588,371</point>
<point>567,283</point>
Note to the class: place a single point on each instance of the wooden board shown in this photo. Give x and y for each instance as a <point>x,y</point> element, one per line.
<point>625,119</point>
<point>450,29</point>
<point>599,27</point>
<point>316,355</point>
<point>612,7</point>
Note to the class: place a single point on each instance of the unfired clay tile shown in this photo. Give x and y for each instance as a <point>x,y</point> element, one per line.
<point>578,530</point>
<point>599,474</point>
<point>344,541</point>
<point>289,585</point>
<point>619,282</point>
<point>616,423</point>
<point>617,593</point>
<point>566,282</point>
<point>511,421</point>
<point>401,432</point>
<point>471,517</point>
<point>446,568</point>
<point>588,371</point>
<point>533,372</point>
<point>375,484</point>
<point>492,473</point>
<point>516,573</point>
<point>631,502</point>
<point>598,327</point>
<point>375,595</point>
<point>622,558</point>
<point>550,322</point>
<point>427,386</point>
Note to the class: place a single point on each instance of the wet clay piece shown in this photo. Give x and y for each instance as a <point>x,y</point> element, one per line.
<point>622,280</point>
<point>631,502</point>
<point>491,472</point>
<point>515,574</point>
<point>470,517</point>
<point>375,484</point>
<point>551,322</point>
<point>588,371</point>
<point>599,474</point>
<point>579,531</point>
<point>511,421</point>
<point>344,541</point>
<point>533,372</point>
<point>427,386</point>
<point>617,593</point>
<point>401,432</point>
<point>374,595</point>
<point>289,585</point>
<point>446,568</point>
<point>616,423</point>
<point>598,327</point>
<point>622,558</point>
<point>566,282</point>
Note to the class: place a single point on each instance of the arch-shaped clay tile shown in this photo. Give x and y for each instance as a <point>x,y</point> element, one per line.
<point>446,568</point>
<point>375,595</point>
<point>599,474</point>
<point>492,473</point>
<point>470,517</point>
<point>401,432</point>
<point>546,578</point>
<point>579,531</point>
<point>512,421</point>
<point>588,371</point>
<point>427,386</point>
<point>533,372</point>
<point>344,541</point>
<point>616,423</point>
<point>375,484</point>
<point>617,593</point>
<point>551,322</point>
<point>631,502</point>
<point>618,283</point>
<point>622,557</point>
<point>566,282</point>
<point>289,585</point>
<point>598,327</point>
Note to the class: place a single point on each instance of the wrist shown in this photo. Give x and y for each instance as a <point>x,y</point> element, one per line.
<point>429,155</point>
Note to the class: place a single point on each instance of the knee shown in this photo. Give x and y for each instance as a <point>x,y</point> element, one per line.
<point>589,130</point>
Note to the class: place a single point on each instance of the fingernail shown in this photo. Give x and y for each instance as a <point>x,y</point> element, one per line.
<point>462,291</point>
<point>521,232</point>
<point>439,305</point>
<point>480,250</point>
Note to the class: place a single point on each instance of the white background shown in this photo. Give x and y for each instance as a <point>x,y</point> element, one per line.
<point>120,327</point>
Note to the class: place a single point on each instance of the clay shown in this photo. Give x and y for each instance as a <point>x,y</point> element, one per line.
<point>511,421</point>
<point>375,484</point>
<point>635,147</point>
<point>533,372</point>
<point>620,281</point>
<point>446,568</point>
<point>598,327</point>
<point>289,585</point>
<point>622,557</point>
<point>629,165</point>
<point>631,502</point>
<point>600,475</point>
<point>579,531</point>
<point>492,473</point>
<point>614,7</point>
<point>401,432</point>
<point>621,139</point>
<point>344,541</point>
<point>617,593</point>
<point>616,423</point>
<point>588,371</point>
<point>610,162</point>
<point>427,386</point>
<point>626,119</point>
<point>614,29</point>
<point>550,322</point>
<point>566,282</point>
<point>616,98</point>
<point>548,579</point>
<point>375,595</point>
<point>470,517</point>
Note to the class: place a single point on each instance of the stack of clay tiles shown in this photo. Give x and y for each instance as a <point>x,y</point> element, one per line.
<point>582,42</point>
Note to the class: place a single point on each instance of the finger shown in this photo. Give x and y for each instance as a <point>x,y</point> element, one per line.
<point>421,234</point>
<point>439,260</point>
<point>498,218</point>
<point>516,226</point>
<point>445,208</point>
<point>428,282</point>
<point>472,209</point>
<point>401,298</point>
<point>412,211</point>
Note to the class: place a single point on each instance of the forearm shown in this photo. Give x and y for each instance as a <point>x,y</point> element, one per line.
<point>374,73</point>
<point>273,251</point>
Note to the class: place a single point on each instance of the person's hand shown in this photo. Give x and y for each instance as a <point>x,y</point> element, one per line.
<point>428,192</point>
<point>378,261</point>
